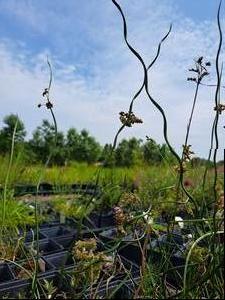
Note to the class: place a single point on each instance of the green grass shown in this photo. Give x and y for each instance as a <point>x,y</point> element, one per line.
<point>75,172</point>
<point>157,189</point>
<point>160,176</point>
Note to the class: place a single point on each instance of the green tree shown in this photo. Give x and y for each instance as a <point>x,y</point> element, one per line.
<point>107,156</point>
<point>90,149</point>
<point>82,147</point>
<point>151,151</point>
<point>128,152</point>
<point>166,154</point>
<point>72,144</point>
<point>43,144</point>
<point>6,133</point>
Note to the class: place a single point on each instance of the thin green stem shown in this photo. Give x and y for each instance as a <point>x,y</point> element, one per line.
<point>154,102</point>
<point>34,281</point>
<point>189,255</point>
<point>8,172</point>
<point>191,117</point>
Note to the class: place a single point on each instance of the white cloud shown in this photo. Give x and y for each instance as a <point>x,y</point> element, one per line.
<point>94,101</point>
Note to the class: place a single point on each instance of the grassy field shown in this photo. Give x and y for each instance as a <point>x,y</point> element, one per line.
<point>74,173</point>
<point>155,189</point>
<point>82,172</point>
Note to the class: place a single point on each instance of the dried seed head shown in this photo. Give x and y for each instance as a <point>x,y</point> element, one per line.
<point>119,215</point>
<point>45,92</point>
<point>128,119</point>
<point>220,108</point>
<point>199,61</point>
<point>129,198</point>
<point>187,152</point>
<point>200,70</point>
<point>182,168</point>
<point>120,219</point>
<point>49,105</point>
<point>191,79</point>
<point>193,70</point>
<point>84,250</point>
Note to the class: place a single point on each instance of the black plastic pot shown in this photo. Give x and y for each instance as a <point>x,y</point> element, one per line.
<point>156,248</point>
<point>46,246</point>
<point>100,219</point>
<point>62,260</point>
<point>65,241</point>
<point>128,268</point>
<point>106,219</point>
<point>45,269</point>
<point>174,274</point>
<point>111,235</point>
<point>131,252</point>
<point>116,289</point>
<point>92,221</point>
<point>20,190</point>
<point>7,279</point>
<point>13,290</point>
<point>5,273</point>
<point>31,236</point>
<point>89,188</point>
<point>170,243</point>
<point>57,231</point>
<point>22,289</point>
<point>46,225</point>
<point>45,188</point>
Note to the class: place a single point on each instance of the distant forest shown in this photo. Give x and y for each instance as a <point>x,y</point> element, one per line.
<point>78,146</point>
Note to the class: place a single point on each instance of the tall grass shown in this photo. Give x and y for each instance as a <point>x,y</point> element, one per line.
<point>162,188</point>
<point>184,195</point>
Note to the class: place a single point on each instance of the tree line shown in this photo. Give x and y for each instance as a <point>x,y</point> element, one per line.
<point>76,146</point>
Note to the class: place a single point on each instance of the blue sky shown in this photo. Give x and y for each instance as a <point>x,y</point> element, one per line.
<point>95,75</point>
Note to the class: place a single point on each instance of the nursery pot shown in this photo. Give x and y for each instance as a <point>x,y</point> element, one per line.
<point>57,231</point>
<point>46,246</point>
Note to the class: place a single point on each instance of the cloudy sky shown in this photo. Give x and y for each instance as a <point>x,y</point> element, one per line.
<point>94,73</point>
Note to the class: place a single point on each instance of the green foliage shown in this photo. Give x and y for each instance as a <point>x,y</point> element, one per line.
<point>6,133</point>
<point>128,153</point>
<point>82,147</point>
<point>43,144</point>
<point>151,151</point>
<point>75,146</point>
<point>17,214</point>
<point>158,188</point>
<point>152,287</point>
<point>76,208</point>
<point>110,196</point>
<point>107,156</point>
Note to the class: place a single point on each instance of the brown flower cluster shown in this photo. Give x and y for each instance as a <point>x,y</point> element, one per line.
<point>90,262</point>
<point>128,119</point>
<point>220,108</point>
<point>120,219</point>
<point>200,70</point>
<point>220,193</point>
<point>186,157</point>
<point>182,168</point>
<point>48,103</point>
<point>128,199</point>
<point>84,250</point>
<point>187,152</point>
